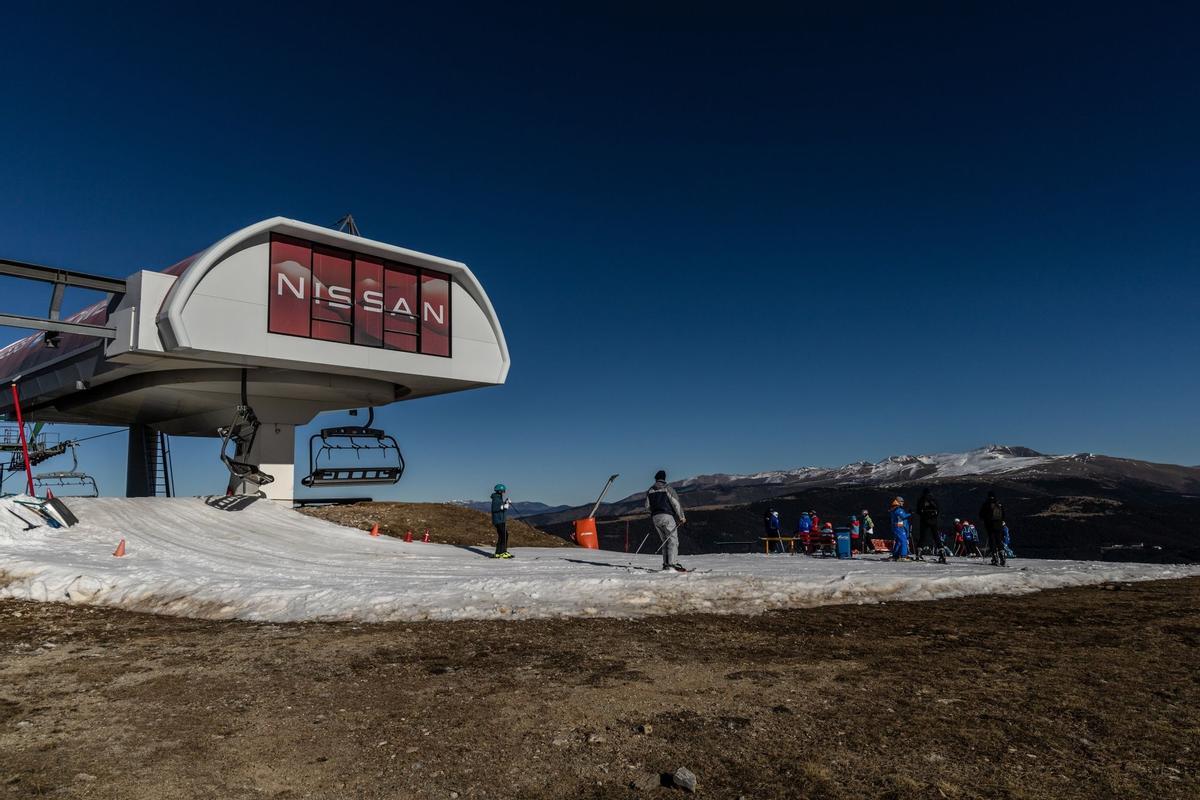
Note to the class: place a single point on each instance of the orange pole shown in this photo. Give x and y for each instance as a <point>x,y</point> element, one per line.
<point>24,444</point>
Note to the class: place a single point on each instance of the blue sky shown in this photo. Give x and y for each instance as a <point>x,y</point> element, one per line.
<point>715,244</point>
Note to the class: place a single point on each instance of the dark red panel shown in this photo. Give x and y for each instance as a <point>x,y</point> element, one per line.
<point>400,300</point>
<point>435,314</point>
<point>368,301</point>
<point>332,285</point>
<point>290,287</point>
<point>330,331</point>
<point>401,341</point>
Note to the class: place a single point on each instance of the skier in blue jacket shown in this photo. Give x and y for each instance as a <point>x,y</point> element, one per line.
<point>500,507</point>
<point>804,530</point>
<point>899,530</point>
<point>773,528</point>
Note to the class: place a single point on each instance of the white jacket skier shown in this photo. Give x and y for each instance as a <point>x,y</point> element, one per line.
<point>662,504</point>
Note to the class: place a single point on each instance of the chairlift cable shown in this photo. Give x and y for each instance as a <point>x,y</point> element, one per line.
<point>98,435</point>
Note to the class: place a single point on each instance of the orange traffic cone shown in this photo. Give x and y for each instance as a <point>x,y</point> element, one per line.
<point>120,551</point>
<point>425,538</point>
<point>408,536</point>
<point>375,529</point>
<point>49,495</point>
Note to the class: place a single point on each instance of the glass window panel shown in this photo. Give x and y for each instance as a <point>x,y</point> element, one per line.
<point>401,341</point>
<point>331,287</point>
<point>330,331</point>
<point>435,314</point>
<point>400,300</point>
<point>290,284</point>
<point>368,302</point>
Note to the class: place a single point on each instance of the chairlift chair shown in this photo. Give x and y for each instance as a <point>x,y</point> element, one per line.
<point>241,433</point>
<point>68,477</point>
<point>327,447</point>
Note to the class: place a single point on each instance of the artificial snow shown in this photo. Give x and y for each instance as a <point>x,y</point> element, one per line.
<point>187,557</point>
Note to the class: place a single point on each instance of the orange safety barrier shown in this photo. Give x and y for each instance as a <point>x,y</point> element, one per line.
<point>585,533</point>
<point>881,545</point>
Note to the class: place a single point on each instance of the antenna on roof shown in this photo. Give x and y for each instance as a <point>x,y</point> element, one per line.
<point>346,224</point>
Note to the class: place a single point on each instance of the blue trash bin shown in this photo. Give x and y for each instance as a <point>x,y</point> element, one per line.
<point>843,543</point>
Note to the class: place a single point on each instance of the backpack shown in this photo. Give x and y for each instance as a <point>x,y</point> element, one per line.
<point>996,512</point>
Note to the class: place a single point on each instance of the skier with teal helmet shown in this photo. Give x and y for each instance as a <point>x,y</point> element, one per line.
<point>500,506</point>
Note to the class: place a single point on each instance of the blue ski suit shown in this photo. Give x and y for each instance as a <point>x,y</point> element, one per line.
<point>900,532</point>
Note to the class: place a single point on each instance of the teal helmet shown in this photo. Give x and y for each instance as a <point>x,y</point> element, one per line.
<point>500,487</point>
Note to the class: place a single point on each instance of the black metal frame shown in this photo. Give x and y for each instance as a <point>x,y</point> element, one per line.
<point>69,477</point>
<point>376,439</point>
<point>53,323</point>
<point>244,419</point>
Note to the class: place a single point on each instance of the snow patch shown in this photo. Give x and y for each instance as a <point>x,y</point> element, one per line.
<point>268,563</point>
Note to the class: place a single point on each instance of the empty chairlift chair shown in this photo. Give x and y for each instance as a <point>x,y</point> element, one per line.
<point>241,433</point>
<point>68,478</point>
<point>353,455</point>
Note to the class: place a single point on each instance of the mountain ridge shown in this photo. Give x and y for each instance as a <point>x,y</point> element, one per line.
<point>987,464</point>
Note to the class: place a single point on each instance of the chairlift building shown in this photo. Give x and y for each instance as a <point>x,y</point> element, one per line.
<point>283,319</point>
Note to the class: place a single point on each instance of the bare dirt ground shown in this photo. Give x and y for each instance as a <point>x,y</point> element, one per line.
<point>1076,693</point>
<point>446,523</point>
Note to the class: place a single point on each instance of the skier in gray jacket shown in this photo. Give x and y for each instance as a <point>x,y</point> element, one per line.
<point>662,504</point>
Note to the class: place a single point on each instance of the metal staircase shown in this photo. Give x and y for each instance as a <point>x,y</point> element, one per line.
<point>162,480</point>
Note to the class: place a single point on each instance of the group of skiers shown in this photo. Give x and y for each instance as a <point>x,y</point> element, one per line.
<point>907,547</point>
<point>815,535</point>
<point>666,514</point>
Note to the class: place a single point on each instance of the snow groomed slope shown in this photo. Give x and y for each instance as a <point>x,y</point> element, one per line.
<point>264,562</point>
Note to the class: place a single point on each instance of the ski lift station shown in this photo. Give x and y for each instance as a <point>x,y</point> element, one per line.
<point>251,337</point>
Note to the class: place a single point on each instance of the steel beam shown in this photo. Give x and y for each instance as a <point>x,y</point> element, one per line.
<point>56,326</point>
<point>65,277</point>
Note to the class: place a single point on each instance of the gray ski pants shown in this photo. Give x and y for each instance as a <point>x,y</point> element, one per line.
<point>668,532</point>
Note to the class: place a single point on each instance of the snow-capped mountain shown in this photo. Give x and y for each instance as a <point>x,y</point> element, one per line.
<point>519,509</point>
<point>990,460</point>
<point>983,465</point>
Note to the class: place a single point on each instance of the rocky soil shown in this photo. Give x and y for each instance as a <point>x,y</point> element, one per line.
<point>1082,693</point>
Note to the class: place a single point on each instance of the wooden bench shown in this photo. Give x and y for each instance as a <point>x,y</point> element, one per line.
<point>791,540</point>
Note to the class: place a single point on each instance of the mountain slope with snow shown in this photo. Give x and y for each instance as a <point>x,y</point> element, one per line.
<point>984,464</point>
<point>260,561</point>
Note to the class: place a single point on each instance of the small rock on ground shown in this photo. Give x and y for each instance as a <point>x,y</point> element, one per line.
<point>685,779</point>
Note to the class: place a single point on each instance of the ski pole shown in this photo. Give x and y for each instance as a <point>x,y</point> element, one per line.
<point>644,538</point>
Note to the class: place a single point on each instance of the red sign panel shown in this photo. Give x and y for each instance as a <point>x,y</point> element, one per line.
<point>435,313</point>
<point>321,293</point>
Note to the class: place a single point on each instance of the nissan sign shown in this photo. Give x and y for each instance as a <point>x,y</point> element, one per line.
<point>322,293</point>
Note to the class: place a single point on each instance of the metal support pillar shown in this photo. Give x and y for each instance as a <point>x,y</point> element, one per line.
<point>141,462</point>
